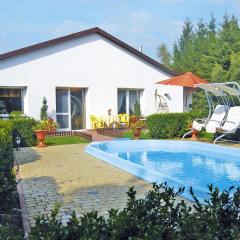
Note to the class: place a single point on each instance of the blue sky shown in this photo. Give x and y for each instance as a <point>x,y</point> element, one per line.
<point>137,22</point>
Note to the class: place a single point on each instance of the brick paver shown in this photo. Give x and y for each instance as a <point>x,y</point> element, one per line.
<point>67,175</point>
<point>98,137</point>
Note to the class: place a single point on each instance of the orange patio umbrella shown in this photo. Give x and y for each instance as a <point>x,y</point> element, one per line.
<point>185,80</point>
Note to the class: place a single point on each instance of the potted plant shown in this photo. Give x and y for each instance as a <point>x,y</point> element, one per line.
<point>51,126</point>
<point>40,130</point>
<point>137,126</point>
<point>194,131</point>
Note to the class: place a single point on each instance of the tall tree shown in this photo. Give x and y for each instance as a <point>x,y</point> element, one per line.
<point>164,55</point>
<point>183,49</point>
<point>209,50</point>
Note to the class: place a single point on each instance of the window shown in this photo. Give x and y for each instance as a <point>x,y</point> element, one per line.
<point>127,100</point>
<point>122,103</point>
<point>10,100</point>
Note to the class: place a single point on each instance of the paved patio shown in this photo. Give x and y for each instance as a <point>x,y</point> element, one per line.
<point>78,181</point>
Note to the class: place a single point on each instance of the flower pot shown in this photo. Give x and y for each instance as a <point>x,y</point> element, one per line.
<point>194,134</point>
<point>137,133</point>
<point>41,134</point>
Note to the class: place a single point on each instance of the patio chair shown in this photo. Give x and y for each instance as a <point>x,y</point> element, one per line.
<point>231,124</point>
<point>209,124</point>
<point>123,119</point>
<point>94,121</point>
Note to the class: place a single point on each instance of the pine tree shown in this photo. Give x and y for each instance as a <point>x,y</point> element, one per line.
<point>44,108</point>
<point>209,50</point>
<point>183,50</point>
<point>164,55</point>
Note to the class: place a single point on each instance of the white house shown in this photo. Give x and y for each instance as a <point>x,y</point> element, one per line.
<point>83,74</point>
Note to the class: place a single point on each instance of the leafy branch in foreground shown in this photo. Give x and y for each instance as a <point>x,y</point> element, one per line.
<point>160,215</point>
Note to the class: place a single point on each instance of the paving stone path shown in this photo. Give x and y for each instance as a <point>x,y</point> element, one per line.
<point>67,175</point>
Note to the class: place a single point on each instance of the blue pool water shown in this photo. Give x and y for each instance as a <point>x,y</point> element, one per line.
<point>177,162</point>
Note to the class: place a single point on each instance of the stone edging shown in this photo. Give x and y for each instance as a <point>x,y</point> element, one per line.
<point>25,221</point>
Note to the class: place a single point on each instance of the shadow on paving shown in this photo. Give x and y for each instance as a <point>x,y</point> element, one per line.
<point>42,193</point>
<point>101,198</point>
<point>26,155</point>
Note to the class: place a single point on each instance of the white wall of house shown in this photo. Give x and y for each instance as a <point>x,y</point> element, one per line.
<point>91,62</point>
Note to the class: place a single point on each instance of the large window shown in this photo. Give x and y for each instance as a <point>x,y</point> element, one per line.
<point>127,100</point>
<point>10,100</point>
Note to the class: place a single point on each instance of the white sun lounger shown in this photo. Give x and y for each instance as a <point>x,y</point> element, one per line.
<point>210,124</point>
<point>231,124</point>
<point>214,122</point>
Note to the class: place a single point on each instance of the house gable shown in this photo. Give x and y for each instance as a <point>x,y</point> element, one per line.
<point>87,32</point>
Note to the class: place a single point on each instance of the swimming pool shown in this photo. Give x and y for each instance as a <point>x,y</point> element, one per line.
<point>180,163</point>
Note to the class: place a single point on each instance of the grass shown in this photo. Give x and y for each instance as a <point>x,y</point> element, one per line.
<point>203,136</point>
<point>129,134</point>
<point>52,141</point>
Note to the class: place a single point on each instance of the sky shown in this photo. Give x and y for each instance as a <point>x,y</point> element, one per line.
<point>145,23</point>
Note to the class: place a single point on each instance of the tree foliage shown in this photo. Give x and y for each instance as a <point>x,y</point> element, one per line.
<point>164,55</point>
<point>209,50</point>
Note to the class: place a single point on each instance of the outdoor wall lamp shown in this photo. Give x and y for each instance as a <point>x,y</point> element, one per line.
<point>18,142</point>
<point>167,96</point>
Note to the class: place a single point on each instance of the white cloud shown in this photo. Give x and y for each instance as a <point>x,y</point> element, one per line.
<point>140,17</point>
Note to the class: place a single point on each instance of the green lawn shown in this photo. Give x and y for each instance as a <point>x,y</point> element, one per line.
<point>129,134</point>
<point>203,136</point>
<point>52,141</point>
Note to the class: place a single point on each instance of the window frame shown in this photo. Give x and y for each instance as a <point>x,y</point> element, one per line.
<point>140,90</point>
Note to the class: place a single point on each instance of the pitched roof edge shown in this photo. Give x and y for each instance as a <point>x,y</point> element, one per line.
<point>84,33</point>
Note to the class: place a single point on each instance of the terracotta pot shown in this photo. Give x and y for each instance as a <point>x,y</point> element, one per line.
<point>41,134</point>
<point>194,134</point>
<point>137,133</point>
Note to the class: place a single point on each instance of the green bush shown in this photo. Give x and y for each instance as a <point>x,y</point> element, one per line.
<point>21,127</point>
<point>8,191</point>
<point>7,177</point>
<point>158,216</point>
<point>10,233</point>
<point>170,125</point>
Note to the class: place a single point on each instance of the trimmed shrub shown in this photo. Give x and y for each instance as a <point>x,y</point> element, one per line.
<point>8,192</point>
<point>21,127</point>
<point>158,216</point>
<point>170,125</point>
<point>7,177</point>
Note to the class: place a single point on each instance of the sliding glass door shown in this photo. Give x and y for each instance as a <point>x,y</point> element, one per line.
<point>70,108</point>
<point>62,108</point>
<point>77,108</point>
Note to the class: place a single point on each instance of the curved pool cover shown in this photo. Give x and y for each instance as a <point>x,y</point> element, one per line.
<point>179,163</point>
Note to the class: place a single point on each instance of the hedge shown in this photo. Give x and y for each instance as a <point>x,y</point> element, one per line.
<point>7,177</point>
<point>8,192</point>
<point>21,127</point>
<point>158,216</point>
<point>170,125</point>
